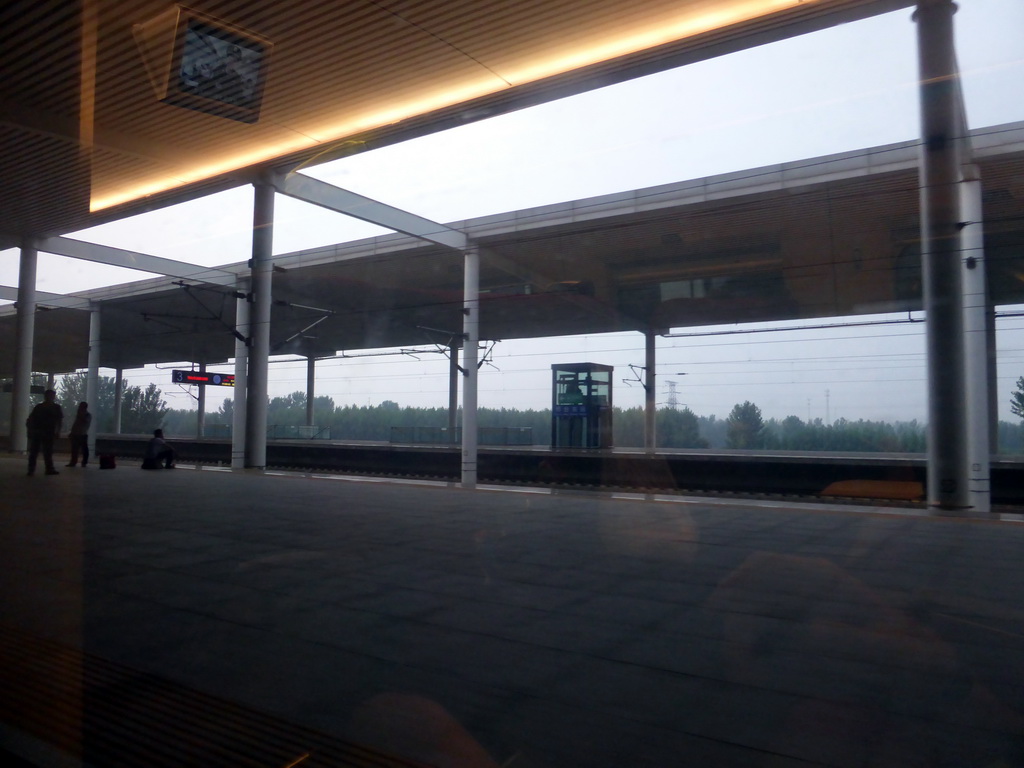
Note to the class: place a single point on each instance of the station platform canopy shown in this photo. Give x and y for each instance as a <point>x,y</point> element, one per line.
<point>822,237</point>
<point>109,108</point>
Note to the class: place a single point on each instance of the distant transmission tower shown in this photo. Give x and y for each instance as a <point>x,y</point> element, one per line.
<point>673,400</point>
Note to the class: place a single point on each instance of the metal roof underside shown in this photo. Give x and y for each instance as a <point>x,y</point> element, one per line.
<point>84,138</point>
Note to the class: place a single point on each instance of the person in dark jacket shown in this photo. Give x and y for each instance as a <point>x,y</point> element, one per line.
<point>158,451</point>
<point>79,435</point>
<point>44,424</point>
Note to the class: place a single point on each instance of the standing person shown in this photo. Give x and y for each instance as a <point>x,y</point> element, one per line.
<point>44,424</point>
<point>79,435</point>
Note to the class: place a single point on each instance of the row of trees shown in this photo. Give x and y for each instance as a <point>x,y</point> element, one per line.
<point>745,426</point>
<point>143,410</point>
<point>1017,399</point>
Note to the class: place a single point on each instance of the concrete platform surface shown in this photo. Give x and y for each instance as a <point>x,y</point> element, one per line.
<point>486,628</point>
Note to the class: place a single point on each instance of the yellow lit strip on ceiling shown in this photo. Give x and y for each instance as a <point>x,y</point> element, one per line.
<point>267,152</point>
<point>200,172</point>
<point>716,16</point>
<point>711,15</point>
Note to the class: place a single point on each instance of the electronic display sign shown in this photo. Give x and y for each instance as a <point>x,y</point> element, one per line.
<point>202,378</point>
<point>204,63</point>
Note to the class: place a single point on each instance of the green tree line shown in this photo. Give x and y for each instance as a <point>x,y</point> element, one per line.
<point>143,410</point>
<point>676,428</point>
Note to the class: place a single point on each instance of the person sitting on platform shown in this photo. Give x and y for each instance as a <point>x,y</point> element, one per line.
<point>158,451</point>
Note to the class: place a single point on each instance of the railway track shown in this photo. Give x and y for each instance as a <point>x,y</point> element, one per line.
<point>889,479</point>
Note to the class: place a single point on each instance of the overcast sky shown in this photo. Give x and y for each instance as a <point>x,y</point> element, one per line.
<point>845,88</point>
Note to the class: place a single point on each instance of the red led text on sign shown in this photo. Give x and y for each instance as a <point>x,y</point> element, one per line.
<point>202,379</point>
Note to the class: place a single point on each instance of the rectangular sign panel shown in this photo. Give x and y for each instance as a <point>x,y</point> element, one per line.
<point>196,377</point>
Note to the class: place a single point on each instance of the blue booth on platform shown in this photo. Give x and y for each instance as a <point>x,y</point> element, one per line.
<point>581,405</point>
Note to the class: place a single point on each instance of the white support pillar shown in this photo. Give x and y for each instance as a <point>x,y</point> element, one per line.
<point>471,329</point>
<point>993,380</point>
<point>21,389</point>
<point>259,326</point>
<point>650,390</point>
<point>940,256</point>
<point>118,399</point>
<point>310,388</point>
<point>453,390</point>
<point>201,406</point>
<point>92,378</point>
<point>241,363</point>
<point>976,311</point>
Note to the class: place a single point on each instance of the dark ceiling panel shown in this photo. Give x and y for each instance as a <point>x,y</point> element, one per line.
<point>343,77</point>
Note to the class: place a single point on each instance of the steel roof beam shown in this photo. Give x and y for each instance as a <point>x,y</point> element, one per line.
<point>317,192</point>
<point>47,300</point>
<point>118,257</point>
